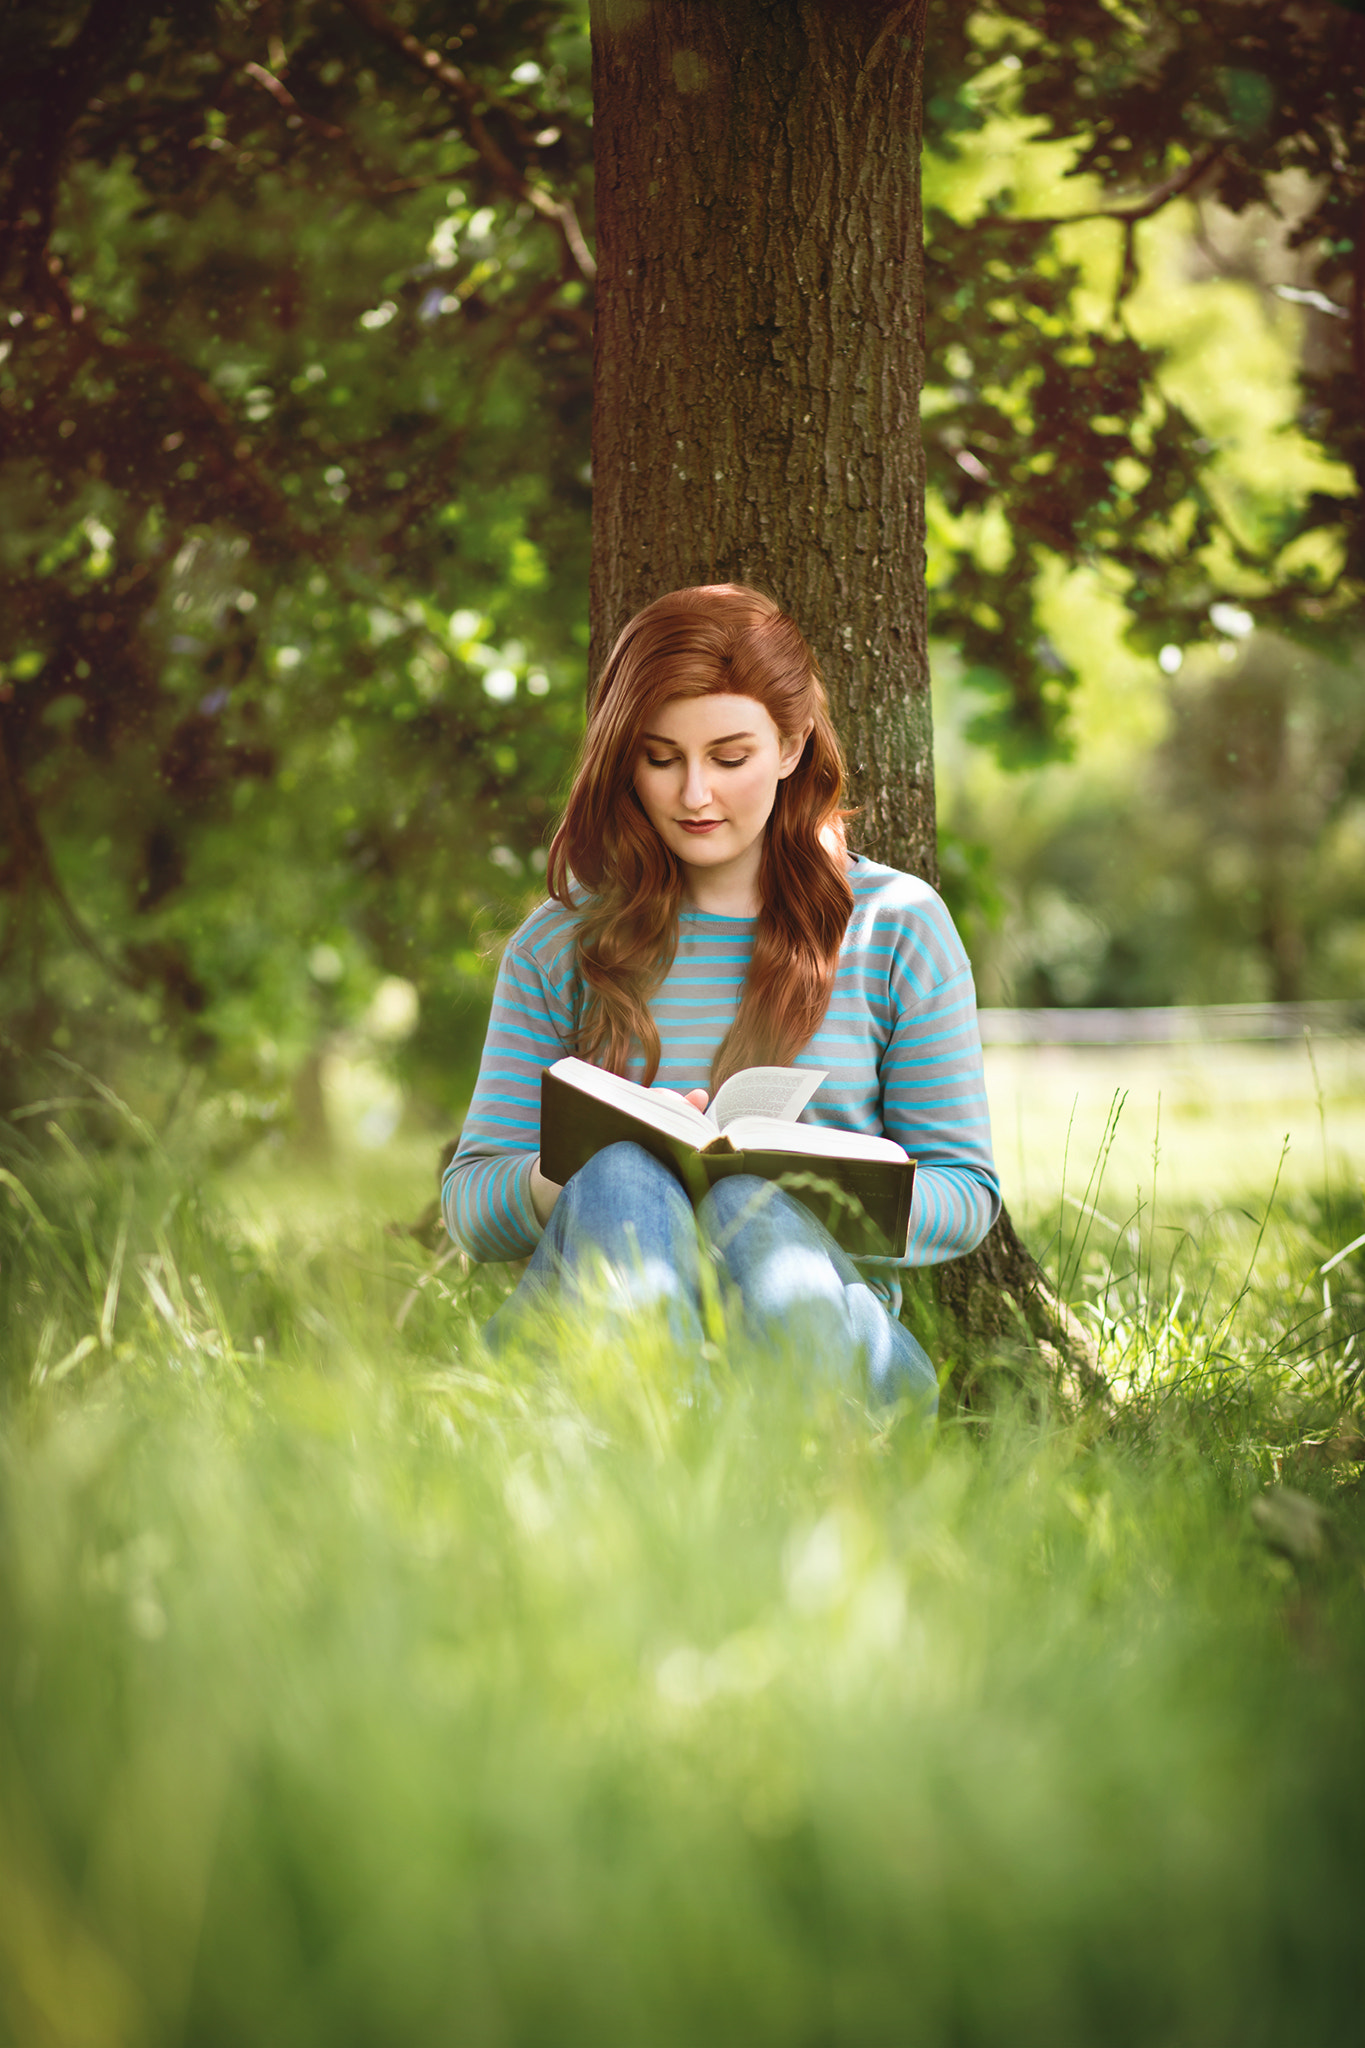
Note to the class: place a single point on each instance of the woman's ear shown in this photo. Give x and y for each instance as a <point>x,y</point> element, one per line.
<point>793,747</point>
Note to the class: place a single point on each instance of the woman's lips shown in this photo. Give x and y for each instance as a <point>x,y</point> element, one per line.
<point>700,826</point>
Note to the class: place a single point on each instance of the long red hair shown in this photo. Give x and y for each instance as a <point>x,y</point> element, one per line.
<point>608,862</point>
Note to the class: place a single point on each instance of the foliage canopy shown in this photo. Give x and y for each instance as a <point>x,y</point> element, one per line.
<point>294,489</point>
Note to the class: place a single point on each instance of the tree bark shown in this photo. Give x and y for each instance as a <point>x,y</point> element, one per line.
<point>760,349</point>
<point>759,356</point>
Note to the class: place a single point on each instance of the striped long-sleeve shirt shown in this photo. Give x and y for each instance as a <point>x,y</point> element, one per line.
<point>899,1040</point>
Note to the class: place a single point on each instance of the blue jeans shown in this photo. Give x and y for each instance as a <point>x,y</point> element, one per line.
<point>624,1219</point>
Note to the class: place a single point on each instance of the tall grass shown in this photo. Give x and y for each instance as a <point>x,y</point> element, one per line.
<point>355,1688</point>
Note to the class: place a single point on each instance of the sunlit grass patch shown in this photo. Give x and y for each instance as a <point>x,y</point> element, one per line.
<point>357,1684</point>
<point>1242,1324</point>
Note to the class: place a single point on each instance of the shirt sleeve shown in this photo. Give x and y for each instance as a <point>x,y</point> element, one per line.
<point>486,1193</point>
<point>934,1092</point>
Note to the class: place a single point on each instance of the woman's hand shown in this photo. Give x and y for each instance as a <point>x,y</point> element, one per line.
<point>544,1194</point>
<point>698,1097</point>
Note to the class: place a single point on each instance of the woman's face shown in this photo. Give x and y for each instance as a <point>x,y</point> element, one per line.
<point>706,774</point>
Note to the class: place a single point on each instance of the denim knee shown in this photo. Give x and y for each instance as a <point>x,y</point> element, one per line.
<point>731,1205</point>
<point>751,1218</point>
<point>627,1178</point>
<point>620,1239</point>
<point>726,1199</point>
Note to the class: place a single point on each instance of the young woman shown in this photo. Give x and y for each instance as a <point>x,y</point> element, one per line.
<point>706,916</point>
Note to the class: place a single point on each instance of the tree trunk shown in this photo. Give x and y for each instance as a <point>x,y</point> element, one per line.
<point>760,349</point>
<point>759,356</point>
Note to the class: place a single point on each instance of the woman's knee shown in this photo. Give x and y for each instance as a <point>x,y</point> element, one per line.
<point>620,1185</point>
<point>744,1219</point>
<point>731,1201</point>
<point>772,1252</point>
<point>742,1202</point>
<point>625,1172</point>
<point>621,1238</point>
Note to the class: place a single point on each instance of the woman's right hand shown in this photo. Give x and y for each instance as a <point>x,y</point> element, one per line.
<point>544,1194</point>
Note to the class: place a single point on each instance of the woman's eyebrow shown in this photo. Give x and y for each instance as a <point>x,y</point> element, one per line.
<point>728,741</point>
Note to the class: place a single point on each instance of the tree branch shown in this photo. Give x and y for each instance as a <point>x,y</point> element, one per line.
<point>373,185</point>
<point>296,116</point>
<point>280,93</point>
<point>460,91</point>
<point>1179,182</point>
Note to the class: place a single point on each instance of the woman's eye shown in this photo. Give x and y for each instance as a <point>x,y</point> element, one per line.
<point>719,760</point>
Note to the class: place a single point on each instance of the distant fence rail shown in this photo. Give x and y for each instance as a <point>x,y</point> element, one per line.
<point>1190,1024</point>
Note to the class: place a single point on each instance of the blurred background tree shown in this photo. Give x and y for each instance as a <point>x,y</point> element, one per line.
<point>1087,160</point>
<point>295,504</point>
<point>1219,858</point>
<point>295,500</point>
<point>1178,654</point>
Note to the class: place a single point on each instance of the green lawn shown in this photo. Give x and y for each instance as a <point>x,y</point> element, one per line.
<point>355,1690</point>
<point>1217,1117</point>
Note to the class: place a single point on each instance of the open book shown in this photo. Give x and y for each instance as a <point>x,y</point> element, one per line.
<point>858,1186</point>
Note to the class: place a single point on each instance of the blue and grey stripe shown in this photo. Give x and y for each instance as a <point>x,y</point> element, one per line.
<point>899,1040</point>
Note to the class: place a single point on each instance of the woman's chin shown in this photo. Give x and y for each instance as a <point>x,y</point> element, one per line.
<point>704,849</point>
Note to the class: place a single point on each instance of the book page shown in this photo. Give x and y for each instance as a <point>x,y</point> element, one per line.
<point>818,1141</point>
<point>665,1108</point>
<point>765,1091</point>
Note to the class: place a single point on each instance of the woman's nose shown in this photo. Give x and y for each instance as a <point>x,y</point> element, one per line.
<point>696,787</point>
